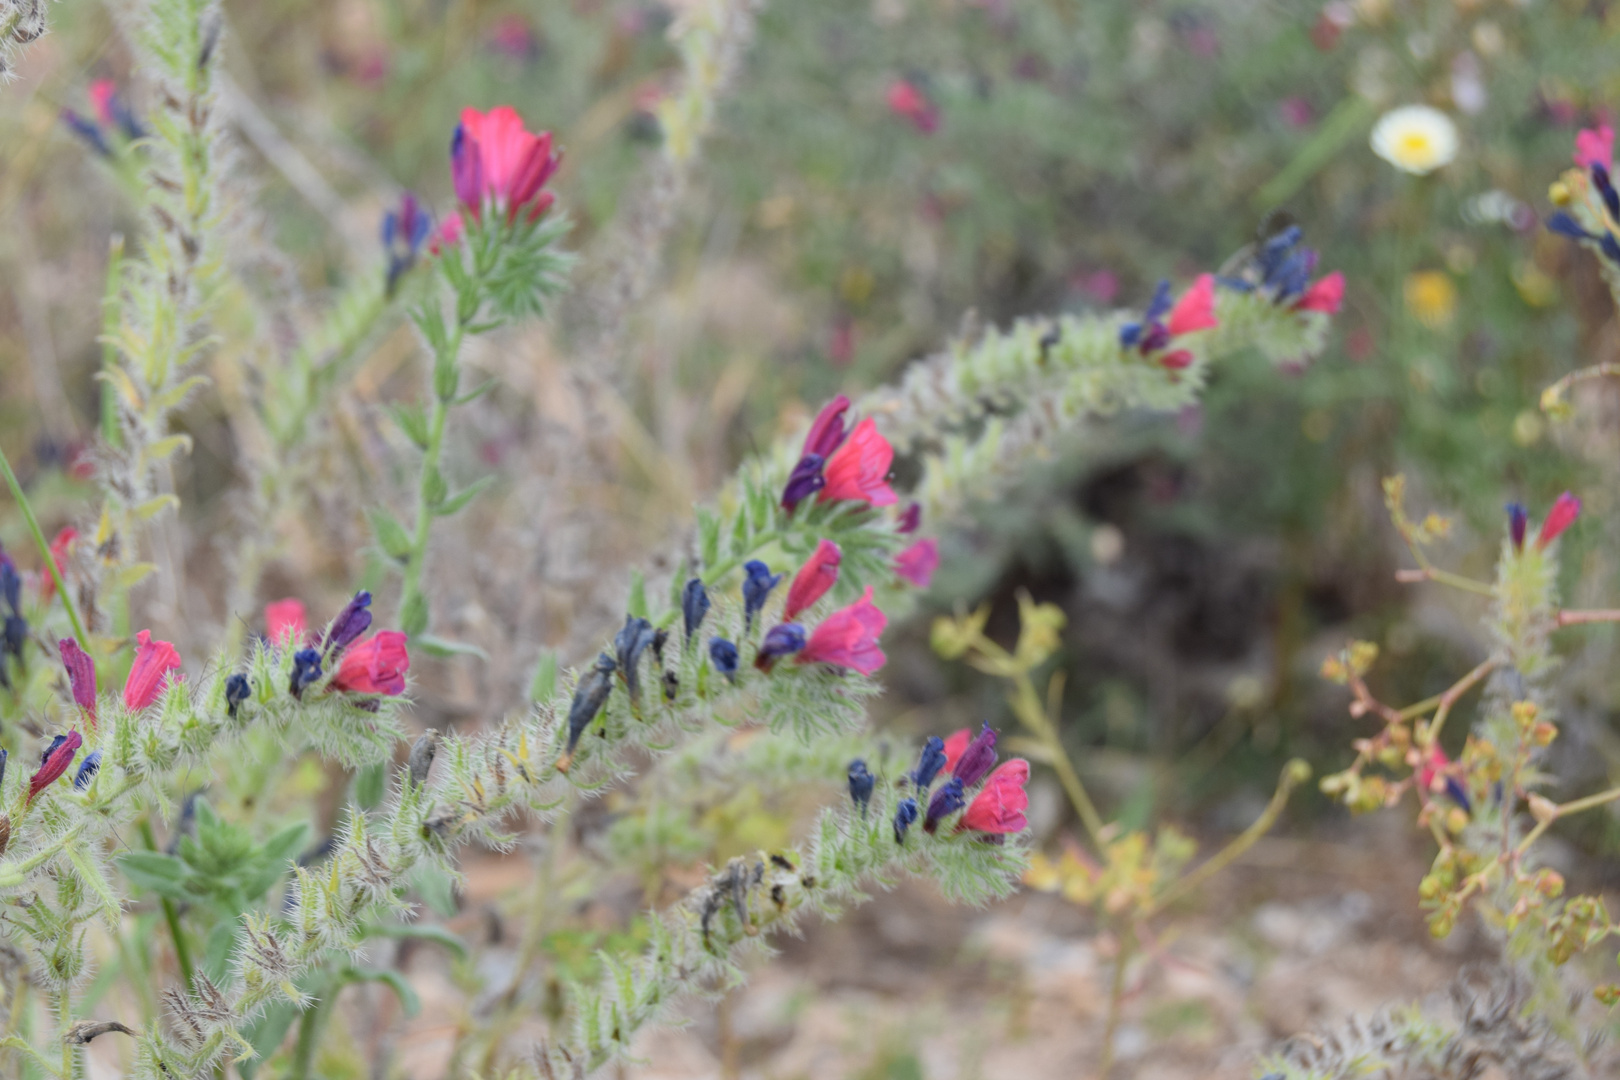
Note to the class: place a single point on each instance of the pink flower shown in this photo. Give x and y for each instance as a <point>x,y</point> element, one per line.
<point>447,234</point>
<point>815,577</point>
<point>492,157</point>
<point>1176,360</point>
<point>955,744</point>
<point>57,760</point>
<point>1000,805</point>
<point>858,469</point>
<point>918,562</point>
<point>848,637</point>
<point>375,666</point>
<point>284,621</point>
<point>1562,515</point>
<point>103,96</point>
<point>150,672</point>
<point>81,676</point>
<point>909,103</point>
<point>1325,294</point>
<point>1196,308</point>
<point>1595,146</point>
<point>61,547</point>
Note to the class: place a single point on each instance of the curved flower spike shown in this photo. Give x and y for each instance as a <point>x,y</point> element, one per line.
<point>1000,806</point>
<point>848,637</point>
<point>375,666</point>
<point>858,470</point>
<point>150,673</point>
<point>58,756</point>
<point>1562,515</point>
<point>818,574</point>
<point>81,677</point>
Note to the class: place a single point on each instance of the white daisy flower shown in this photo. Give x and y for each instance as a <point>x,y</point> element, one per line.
<point>1415,139</point>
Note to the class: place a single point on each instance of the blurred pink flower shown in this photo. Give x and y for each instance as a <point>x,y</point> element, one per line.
<point>493,157</point>
<point>910,103</point>
<point>918,562</point>
<point>1595,146</point>
<point>1296,112</point>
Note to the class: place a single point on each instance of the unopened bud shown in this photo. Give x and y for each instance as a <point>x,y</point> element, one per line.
<point>1558,193</point>
<point>1543,809</point>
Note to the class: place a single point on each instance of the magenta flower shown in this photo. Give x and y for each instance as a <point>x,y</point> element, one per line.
<point>58,756</point>
<point>955,744</point>
<point>858,470</point>
<point>1595,146</point>
<point>1000,806</point>
<point>848,637</point>
<point>910,103</point>
<point>81,676</point>
<point>918,562</point>
<point>375,666</point>
<point>1325,294</point>
<point>1196,308</point>
<point>818,574</point>
<point>1562,515</point>
<point>150,672</point>
<point>493,158</point>
<point>284,621</point>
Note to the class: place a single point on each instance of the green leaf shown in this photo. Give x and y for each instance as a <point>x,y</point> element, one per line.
<point>154,506</point>
<point>434,489</point>
<point>464,496</point>
<point>281,847</point>
<point>436,889</point>
<point>265,1034</point>
<point>413,422</point>
<point>408,1001</point>
<point>370,784</point>
<point>155,872</point>
<point>544,686</point>
<point>447,377</point>
<point>637,604</point>
<point>164,448</point>
<point>476,393</point>
<point>444,648</point>
<point>218,948</point>
<point>391,535</point>
<point>740,535</point>
<point>438,935</point>
<point>709,536</point>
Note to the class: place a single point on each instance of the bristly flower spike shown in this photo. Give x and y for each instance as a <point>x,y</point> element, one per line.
<point>861,783</point>
<point>1562,515</point>
<point>756,587</point>
<point>592,691</point>
<point>826,434</point>
<point>694,607</point>
<point>905,815</point>
<point>1518,524</point>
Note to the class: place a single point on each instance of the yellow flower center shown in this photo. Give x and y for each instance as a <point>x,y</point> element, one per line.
<point>1415,146</point>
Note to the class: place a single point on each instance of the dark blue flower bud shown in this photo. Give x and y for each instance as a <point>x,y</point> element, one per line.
<point>593,689</point>
<point>904,816</point>
<point>1518,522</point>
<point>10,585</point>
<point>1459,794</point>
<point>1565,225</point>
<point>946,801</point>
<point>782,640</point>
<point>804,481</point>
<point>979,758</point>
<point>351,622</point>
<point>1130,334</point>
<point>755,588</point>
<point>932,760</point>
<point>1605,186</point>
<point>694,606</point>
<point>56,741</point>
<point>724,656</point>
<point>87,770</point>
<point>628,645</point>
<point>306,669</point>
<point>236,692</point>
<point>89,131</point>
<point>1161,303</point>
<point>3,756</point>
<point>861,782</point>
<point>15,636</point>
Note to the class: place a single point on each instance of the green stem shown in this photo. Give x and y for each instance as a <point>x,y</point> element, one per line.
<point>1027,705</point>
<point>727,565</point>
<point>109,351</point>
<point>44,551</point>
<point>309,1032</point>
<point>412,604</point>
<point>171,915</point>
<point>1116,1001</point>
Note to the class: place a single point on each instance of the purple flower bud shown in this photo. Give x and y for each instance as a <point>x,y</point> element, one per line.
<point>87,770</point>
<point>804,481</point>
<point>15,635</point>
<point>978,759</point>
<point>350,623</point>
<point>1518,523</point>
<point>466,169</point>
<point>592,691</point>
<point>910,518</point>
<point>779,641</point>
<point>1605,186</point>
<point>10,584</point>
<point>861,782</point>
<point>694,606</point>
<point>628,645</point>
<point>306,669</point>
<point>946,801</point>
<point>724,655</point>
<point>904,816</point>
<point>236,692</point>
<point>1458,794</point>
<point>756,588</point>
<point>932,760</point>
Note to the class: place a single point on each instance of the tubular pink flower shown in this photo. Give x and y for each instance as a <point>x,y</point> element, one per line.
<point>818,574</point>
<point>918,562</point>
<point>955,744</point>
<point>57,760</point>
<point>858,469</point>
<point>376,665</point>
<point>284,621</point>
<point>81,677</point>
<point>910,103</point>
<point>61,545</point>
<point>1000,805</point>
<point>1325,294</point>
<point>1196,308</point>
<point>150,672</point>
<point>1562,515</point>
<point>1595,146</point>
<point>848,637</point>
<point>492,156</point>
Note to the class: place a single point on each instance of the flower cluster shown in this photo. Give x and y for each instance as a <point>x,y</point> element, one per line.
<point>1588,190</point>
<point>996,810</point>
<point>841,464</point>
<point>1280,268</point>
<point>1163,322</point>
<point>375,666</point>
<point>112,120</point>
<point>499,166</point>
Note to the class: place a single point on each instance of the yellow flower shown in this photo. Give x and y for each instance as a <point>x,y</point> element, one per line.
<point>1415,139</point>
<point>1431,298</point>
